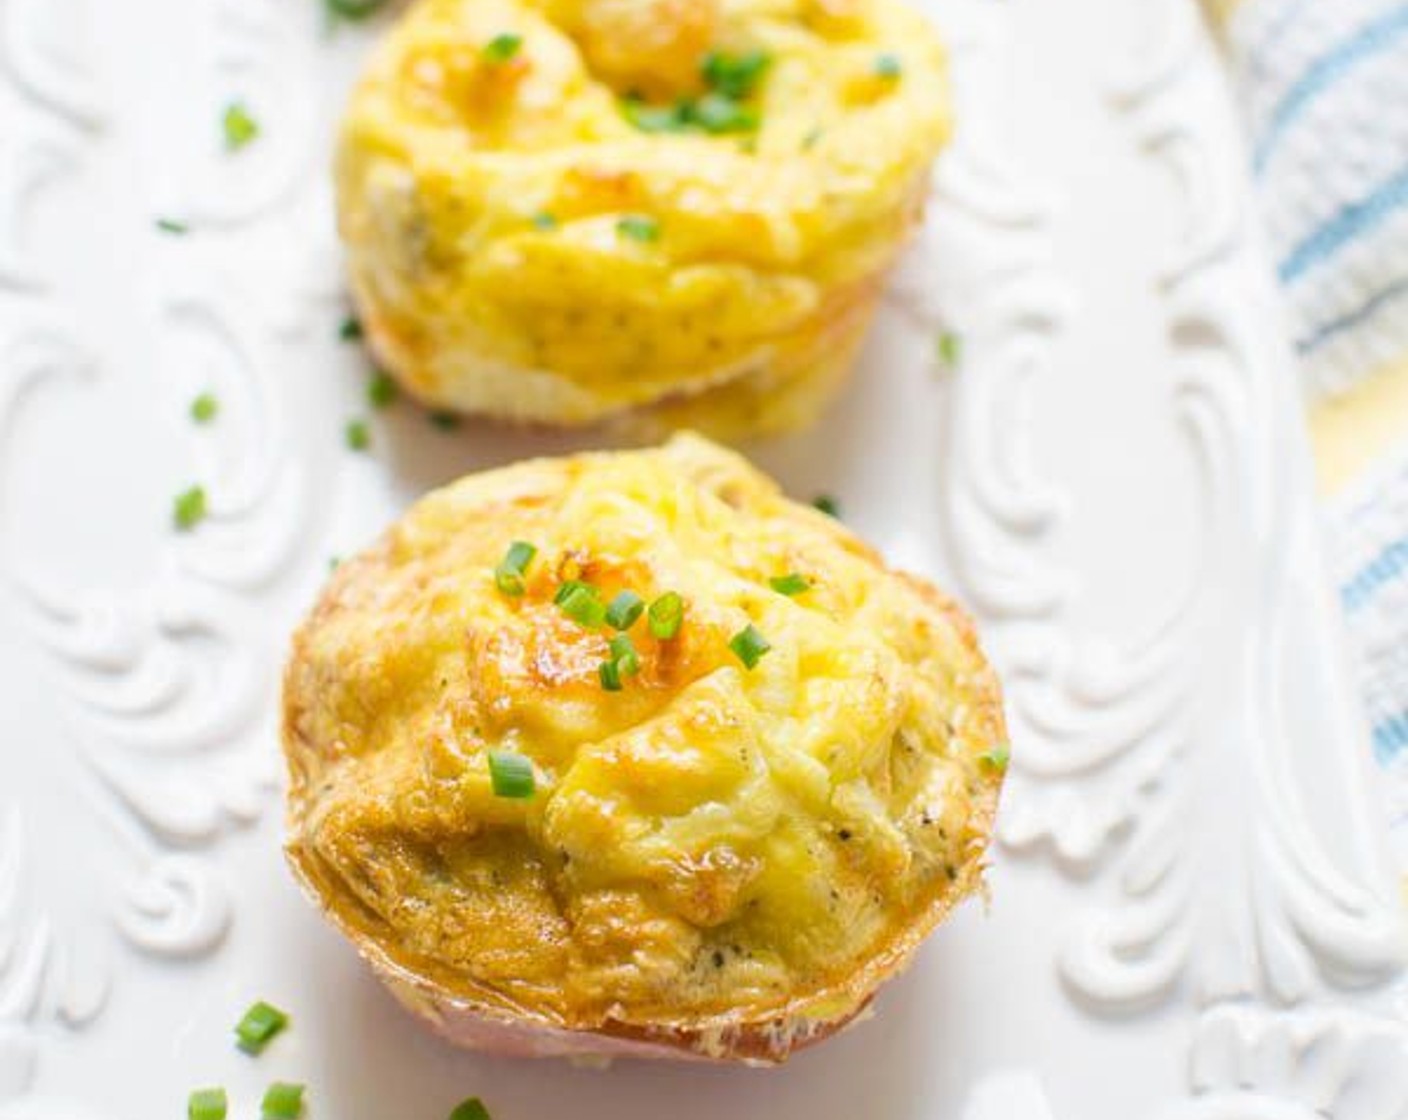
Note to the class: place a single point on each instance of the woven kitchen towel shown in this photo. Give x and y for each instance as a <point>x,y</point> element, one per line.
<point>1325,89</point>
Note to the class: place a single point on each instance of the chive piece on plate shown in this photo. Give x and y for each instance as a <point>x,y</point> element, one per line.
<point>189,508</point>
<point>171,225</point>
<point>350,330</point>
<point>735,75</point>
<point>544,219</point>
<point>354,9</point>
<point>949,348</point>
<point>666,614</point>
<point>501,48</point>
<point>510,775</point>
<point>508,576</point>
<point>204,408</point>
<point>827,504</point>
<point>624,610</point>
<point>610,674</point>
<point>381,390</point>
<point>282,1101</point>
<point>240,128</point>
<point>749,645</point>
<point>472,1109</point>
<point>207,1104</point>
<point>261,1023</point>
<point>793,583</point>
<point>358,435</point>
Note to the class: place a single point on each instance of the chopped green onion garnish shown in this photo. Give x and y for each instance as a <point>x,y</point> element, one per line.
<point>354,9</point>
<point>749,646</point>
<point>240,127</point>
<point>204,408</point>
<point>639,228</point>
<point>445,421</point>
<point>510,775</point>
<point>207,1104</point>
<point>508,576</point>
<point>381,390</point>
<point>333,562</point>
<point>610,674</point>
<point>566,588</point>
<point>809,141</point>
<point>950,349</point>
<point>998,757</point>
<point>716,113</point>
<point>623,655</point>
<point>624,610</point>
<point>827,504</point>
<point>665,615</point>
<point>735,75</point>
<point>793,583</point>
<point>472,1109</point>
<point>543,219</point>
<point>503,47</point>
<point>351,329</point>
<point>171,225</point>
<point>887,66</point>
<point>656,118</point>
<point>282,1101</point>
<point>358,435</point>
<point>189,508</point>
<point>259,1026</point>
<point>582,604</point>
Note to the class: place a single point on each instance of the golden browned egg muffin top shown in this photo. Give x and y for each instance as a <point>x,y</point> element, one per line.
<point>711,842</point>
<point>562,210</point>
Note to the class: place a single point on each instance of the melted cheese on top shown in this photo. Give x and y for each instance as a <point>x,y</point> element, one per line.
<point>711,841</point>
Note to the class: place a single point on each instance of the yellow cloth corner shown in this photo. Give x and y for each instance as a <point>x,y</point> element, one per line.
<point>1350,432</point>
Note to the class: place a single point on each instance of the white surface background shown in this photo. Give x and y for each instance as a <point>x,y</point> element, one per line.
<point>1190,911</point>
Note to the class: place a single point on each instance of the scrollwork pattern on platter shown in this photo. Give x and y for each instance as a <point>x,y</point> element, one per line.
<point>161,692</point>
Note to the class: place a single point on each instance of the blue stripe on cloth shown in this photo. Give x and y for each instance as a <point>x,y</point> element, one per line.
<point>1326,331</point>
<point>1348,222</point>
<point>1391,737</point>
<point>1388,565</point>
<point>1375,36</point>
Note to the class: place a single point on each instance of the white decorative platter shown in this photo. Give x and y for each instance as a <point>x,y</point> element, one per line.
<point>1193,912</point>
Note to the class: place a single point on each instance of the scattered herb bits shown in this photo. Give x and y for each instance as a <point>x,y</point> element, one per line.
<point>827,505</point>
<point>282,1101</point>
<point>260,1025</point>
<point>624,610</point>
<point>998,757</point>
<point>501,48</point>
<point>735,75</point>
<point>609,672</point>
<point>656,118</point>
<point>638,227</point>
<point>172,226</point>
<point>544,220</point>
<point>949,349</point>
<point>623,654</point>
<point>887,66</point>
<point>189,508</point>
<point>793,583</point>
<point>445,421</point>
<point>472,1109</point>
<point>666,615</point>
<point>509,575</point>
<point>354,9</point>
<point>510,775</point>
<point>207,1104</point>
<point>357,435</point>
<point>241,129</point>
<point>350,330</point>
<point>717,114</point>
<point>749,646</point>
<point>581,602</point>
<point>205,408</point>
<point>381,390</point>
